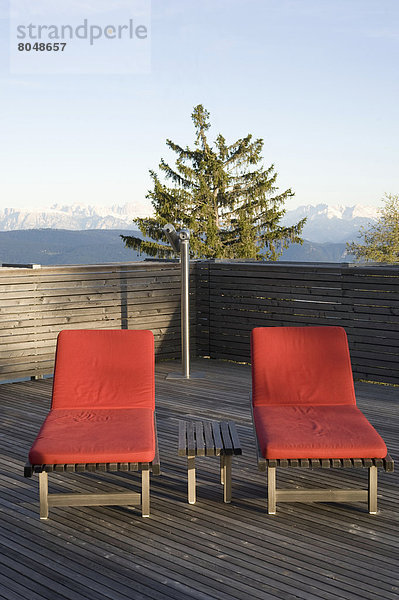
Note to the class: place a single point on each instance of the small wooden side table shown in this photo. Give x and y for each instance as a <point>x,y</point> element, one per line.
<point>209,438</point>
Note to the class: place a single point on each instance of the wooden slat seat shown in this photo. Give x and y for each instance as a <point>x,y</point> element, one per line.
<point>209,438</point>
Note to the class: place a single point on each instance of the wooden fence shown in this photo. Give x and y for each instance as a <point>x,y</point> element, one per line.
<point>234,297</point>
<point>228,299</point>
<point>35,304</point>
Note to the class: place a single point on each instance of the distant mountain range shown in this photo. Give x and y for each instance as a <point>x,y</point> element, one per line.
<point>317,252</point>
<point>97,246</point>
<point>63,247</point>
<point>332,224</point>
<point>75,217</point>
<point>80,234</point>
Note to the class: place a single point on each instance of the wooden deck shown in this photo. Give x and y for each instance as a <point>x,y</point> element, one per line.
<point>205,551</point>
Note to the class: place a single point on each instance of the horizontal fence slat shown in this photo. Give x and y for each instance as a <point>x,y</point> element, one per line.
<point>35,304</point>
<point>227,299</point>
<point>234,297</point>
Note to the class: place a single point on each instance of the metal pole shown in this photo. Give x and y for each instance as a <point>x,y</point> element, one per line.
<point>180,242</point>
<point>185,308</point>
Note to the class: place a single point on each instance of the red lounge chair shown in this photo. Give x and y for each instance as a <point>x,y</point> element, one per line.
<point>101,417</point>
<point>305,413</point>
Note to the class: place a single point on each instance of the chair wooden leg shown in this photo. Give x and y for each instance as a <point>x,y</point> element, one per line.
<point>227,478</point>
<point>271,490</point>
<point>43,494</point>
<point>373,483</point>
<point>191,479</point>
<point>145,492</point>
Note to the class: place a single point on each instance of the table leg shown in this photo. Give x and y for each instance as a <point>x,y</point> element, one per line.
<point>191,479</point>
<point>227,477</point>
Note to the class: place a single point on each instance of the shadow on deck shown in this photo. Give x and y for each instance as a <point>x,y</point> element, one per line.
<point>205,551</point>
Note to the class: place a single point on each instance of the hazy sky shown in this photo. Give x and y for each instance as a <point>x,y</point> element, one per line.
<point>316,79</point>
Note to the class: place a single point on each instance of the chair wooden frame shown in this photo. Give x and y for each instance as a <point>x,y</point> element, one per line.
<point>275,495</point>
<point>107,499</point>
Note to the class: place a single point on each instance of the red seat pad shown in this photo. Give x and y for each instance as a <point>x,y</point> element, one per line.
<point>316,432</point>
<point>95,435</point>
<point>301,365</point>
<point>104,369</point>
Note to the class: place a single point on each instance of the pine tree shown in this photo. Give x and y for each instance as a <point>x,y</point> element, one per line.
<point>223,195</point>
<point>381,239</point>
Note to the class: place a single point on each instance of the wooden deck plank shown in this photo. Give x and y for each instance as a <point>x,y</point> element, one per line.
<point>204,551</point>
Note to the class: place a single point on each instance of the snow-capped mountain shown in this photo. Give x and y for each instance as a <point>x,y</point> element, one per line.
<point>336,224</point>
<point>73,217</point>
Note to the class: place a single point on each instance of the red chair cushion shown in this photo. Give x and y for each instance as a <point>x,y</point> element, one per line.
<point>316,432</point>
<point>301,365</point>
<point>104,369</point>
<point>95,436</point>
